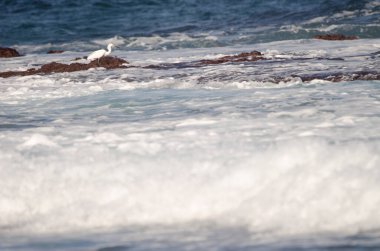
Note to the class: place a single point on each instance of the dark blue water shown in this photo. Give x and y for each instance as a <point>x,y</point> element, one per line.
<point>61,21</point>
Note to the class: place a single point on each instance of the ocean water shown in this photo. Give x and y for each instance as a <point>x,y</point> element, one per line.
<point>219,157</point>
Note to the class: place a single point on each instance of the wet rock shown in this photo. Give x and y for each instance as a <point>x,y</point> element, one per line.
<point>108,62</point>
<point>339,76</point>
<point>58,67</point>
<point>54,67</point>
<point>242,57</point>
<point>336,37</point>
<point>8,53</point>
<point>55,52</point>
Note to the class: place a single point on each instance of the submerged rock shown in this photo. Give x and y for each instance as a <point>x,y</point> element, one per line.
<point>242,57</point>
<point>339,76</point>
<point>54,67</point>
<point>79,58</point>
<point>55,52</point>
<point>337,37</point>
<point>8,53</point>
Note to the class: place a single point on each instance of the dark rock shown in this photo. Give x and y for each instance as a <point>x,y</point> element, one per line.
<point>8,53</point>
<point>108,62</point>
<point>339,76</point>
<point>79,58</point>
<point>242,57</point>
<point>337,37</point>
<point>115,248</point>
<point>55,52</point>
<point>58,67</point>
<point>168,66</point>
<point>53,67</point>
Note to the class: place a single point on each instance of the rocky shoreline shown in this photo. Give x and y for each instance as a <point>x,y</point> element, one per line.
<point>53,67</point>
<point>117,63</point>
<point>244,57</point>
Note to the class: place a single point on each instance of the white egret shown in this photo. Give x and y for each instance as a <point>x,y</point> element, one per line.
<point>100,53</point>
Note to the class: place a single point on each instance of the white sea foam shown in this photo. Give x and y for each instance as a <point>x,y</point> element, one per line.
<point>36,140</point>
<point>236,167</point>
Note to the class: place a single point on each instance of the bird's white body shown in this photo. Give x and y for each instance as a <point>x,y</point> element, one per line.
<point>100,53</point>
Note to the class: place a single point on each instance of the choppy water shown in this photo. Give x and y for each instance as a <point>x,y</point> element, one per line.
<point>154,24</point>
<point>196,158</point>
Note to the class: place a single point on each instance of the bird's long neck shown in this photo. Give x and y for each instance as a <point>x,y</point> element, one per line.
<point>109,48</point>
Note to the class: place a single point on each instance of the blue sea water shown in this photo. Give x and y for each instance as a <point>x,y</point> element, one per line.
<point>219,157</point>
<point>245,21</point>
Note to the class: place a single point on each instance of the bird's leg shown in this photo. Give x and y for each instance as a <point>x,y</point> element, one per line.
<point>98,61</point>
